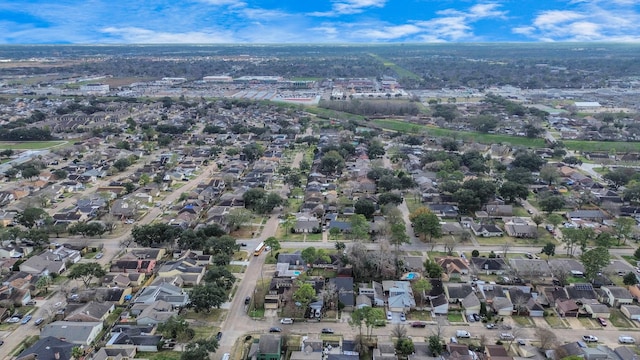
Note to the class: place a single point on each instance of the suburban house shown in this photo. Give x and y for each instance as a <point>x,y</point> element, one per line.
<point>156,313</point>
<point>486,230</point>
<point>45,264</point>
<point>91,312</point>
<point>471,304</point>
<point>440,304</point>
<point>502,306</point>
<point>48,348</point>
<point>374,292</point>
<point>632,312</point>
<point>163,291</point>
<point>80,333</point>
<point>494,266</point>
<point>567,307</point>
<point>520,228</point>
<point>268,347</point>
<point>306,223</point>
<point>615,296</point>
<point>400,295</point>
<point>133,338</point>
<point>596,309</point>
<point>186,272</point>
<point>456,293</point>
<point>346,296</point>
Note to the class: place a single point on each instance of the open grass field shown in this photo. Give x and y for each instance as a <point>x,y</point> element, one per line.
<point>160,355</point>
<point>402,72</point>
<point>579,145</point>
<point>30,145</point>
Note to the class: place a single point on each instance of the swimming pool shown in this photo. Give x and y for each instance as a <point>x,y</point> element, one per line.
<point>411,276</point>
<point>296,273</point>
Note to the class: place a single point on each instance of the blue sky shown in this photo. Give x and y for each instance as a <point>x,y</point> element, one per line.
<point>316,21</point>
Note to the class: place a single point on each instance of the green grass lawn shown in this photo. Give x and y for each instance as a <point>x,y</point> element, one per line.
<point>588,323</point>
<point>556,322</point>
<point>523,321</point>
<point>237,269</point>
<point>581,145</point>
<point>30,145</point>
<point>421,315</point>
<point>618,319</point>
<point>630,259</point>
<point>314,237</point>
<point>454,317</point>
<point>160,355</point>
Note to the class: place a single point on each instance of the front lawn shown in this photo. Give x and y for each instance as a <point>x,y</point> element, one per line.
<point>455,317</point>
<point>420,315</point>
<point>523,321</point>
<point>556,322</point>
<point>160,355</point>
<point>618,319</point>
<point>236,269</point>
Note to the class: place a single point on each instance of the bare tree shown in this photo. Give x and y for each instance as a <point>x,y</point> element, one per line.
<point>520,304</point>
<point>561,274</point>
<point>330,294</point>
<point>505,248</point>
<point>399,331</point>
<point>450,245</point>
<point>483,340</point>
<point>545,337</point>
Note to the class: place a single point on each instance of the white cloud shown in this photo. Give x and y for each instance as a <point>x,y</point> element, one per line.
<point>588,20</point>
<point>348,7</point>
<point>136,35</point>
<point>231,3</point>
<point>388,32</point>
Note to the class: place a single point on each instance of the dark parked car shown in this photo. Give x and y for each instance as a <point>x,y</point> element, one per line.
<point>327,331</point>
<point>219,335</point>
<point>418,324</point>
<point>476,317</point>
<point>243,244</point>
<point>275,330</point>
<point>247,300</point>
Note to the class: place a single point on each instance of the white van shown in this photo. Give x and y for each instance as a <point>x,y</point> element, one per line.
<point>226,356</point>
<point>286,321</point>
<point>626,340</point>
<point>462,334</point>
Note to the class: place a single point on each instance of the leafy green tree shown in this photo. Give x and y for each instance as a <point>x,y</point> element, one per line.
<point>219,276</point>
<point>60,174</point>
<point>334,232</point>
<point>425,223</point>
<point>630,279</point>
<point>205,296</point>
<point>199,349</point>
<point>304,295</point>
<point>238,217</point>
<point>157,233</point>
<point>604,239</point>
<point>389,198</point>
<point>432,269</point>
<point>594,261</point>
<point>331,163</point>
<point>405,346</point>
<point>435,346</point>
<point>512,191</point>
<point>636,254</point>
<point>632,192</point>
<point>176,328</point>
<point>537,219</point>
<point>622,228</point>
<point>554,219</point>
<point>549,173</point>
<point>340,246</point>
<point>549,249</point>
<point>253,151</point>
<point>273,243</point>
<point>519,175</point>
<point>365,207</point>
<point>475,253</point>
<point>421,289</point>
<point>552,203</point>
<point>122,164</point>
<point>77,352</point>
<point>359,227</point>
<point>30,172</point>
<point>86,272</point>
<point>31,217</point>
<point>308,255</point>
<point>484,123</point>
<point>375,149</point>
<point>528,160</point>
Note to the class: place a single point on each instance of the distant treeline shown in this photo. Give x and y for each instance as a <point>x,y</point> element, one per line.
<point>25,134</point>
<point>372,107</point>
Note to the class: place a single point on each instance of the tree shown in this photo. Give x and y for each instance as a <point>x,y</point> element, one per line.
<point>421,287</point>
<point>331,163</point>
<point>157,233</point>
<point>405,346</point>
<point>273,243</point>
<point>375,149</point>
<point>512,191</point>
<point>205,296</point>
<point>359,227</point>
<point>546,338</point>
<point>237,217</point>
<point>554,219</point>
<point>220,276</point>
<point>432,269</point>
<point>426,223</point>
<point>630,279</point>
<point>552,203</point>
<point>549,173</point>
<point>365,207</point>
<point>308,255</point>
<point>622,228</point>
<point>389,198</point>
<point>176,328</point>
<point>435,346</point>
<point>253,151</point>
<point>549,249</point>
<point>253,196</point>
<point>636,254</point>
<point>60,174</point>
<point>528,160</point>
<point>43,283</point>
<point>475,253</point>
<point>340,246</point>
<point>199,349</point>
<point>122,164</point>
<point>30,172</point>
<point>594,261</point>
<point>304,295</point>
<point>537,219</point>
<point>31,217</point>
<point>86,272</point>
<point>77,352</point>
<point>334,232</point>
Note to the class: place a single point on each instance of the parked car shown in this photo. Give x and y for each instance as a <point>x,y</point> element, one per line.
<point>327,331</point>
<point>243,244</point>
<point>491,326</point>
<point>31,302</point>
<point>99,256</point>
<point>275,330</point>
<point>247,300</point>
<point>13,320</point>
<point>506,336</point>
<point>463,334</point>
<point>602,321</point>
<point>476,317</point>
<point>389,315</point>
<point>589,338</point>
<point>521,342</point>
<point>219,335</point>
<point>38,321</point>
<point>623,339</point>
<point>403,317</point>
<point>286,321</point>
<point>418,324</point>
<point>26,319</point>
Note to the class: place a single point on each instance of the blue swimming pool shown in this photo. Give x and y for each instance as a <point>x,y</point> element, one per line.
<point>411,276</point>
<point>296,273</point>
